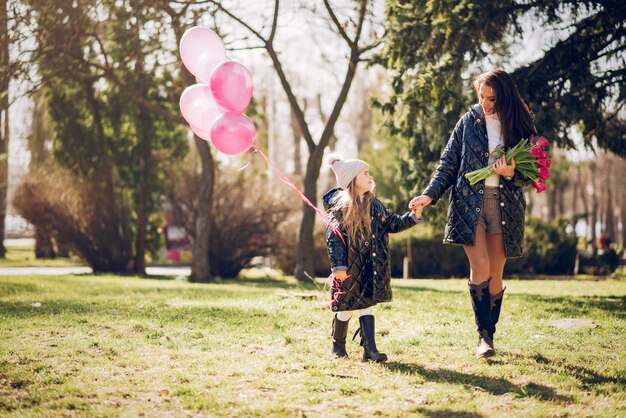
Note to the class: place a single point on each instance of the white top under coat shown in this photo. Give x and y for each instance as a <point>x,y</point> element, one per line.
<point>494,133</point>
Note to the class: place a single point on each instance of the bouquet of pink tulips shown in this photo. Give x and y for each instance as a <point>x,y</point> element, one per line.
<point>530,160</point>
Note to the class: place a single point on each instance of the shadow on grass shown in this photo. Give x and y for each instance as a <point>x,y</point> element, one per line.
<point>190,311</point>
<point>580,305</point>
<point>445,413</point>
<point>493,385</point>
<point>587,377</point>
<point>569,306</point>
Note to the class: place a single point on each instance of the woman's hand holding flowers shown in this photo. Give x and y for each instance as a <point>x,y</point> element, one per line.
<point>504,169</point>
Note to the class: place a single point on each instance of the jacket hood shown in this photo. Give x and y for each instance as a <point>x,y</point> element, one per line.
<point>330,198</point>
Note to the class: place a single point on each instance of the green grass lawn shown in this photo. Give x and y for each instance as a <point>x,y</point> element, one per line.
<point>24,256</point>
<point>110,346</point>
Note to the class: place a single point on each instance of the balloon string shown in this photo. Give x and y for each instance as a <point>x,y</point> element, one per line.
<point>306,200</point>
<point>248,163</point>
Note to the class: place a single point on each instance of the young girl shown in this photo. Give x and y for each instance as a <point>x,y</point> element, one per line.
<point>487,218</point>
<point>359,255</point>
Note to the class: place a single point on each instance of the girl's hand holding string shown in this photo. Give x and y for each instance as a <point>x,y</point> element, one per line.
<point>341,275</point>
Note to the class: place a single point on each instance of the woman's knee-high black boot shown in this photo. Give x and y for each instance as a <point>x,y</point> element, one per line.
<point>368,340</point>
<point>496,306</point>
<point>340,331</point>
<point>481,302</point>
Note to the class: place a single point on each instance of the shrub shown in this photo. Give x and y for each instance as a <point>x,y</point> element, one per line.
<point>246,217</point>
<point>548,249</point>
<point>429,257</point>
<point>603,263</point>
<point>285,257</point>
<point>78,214</point>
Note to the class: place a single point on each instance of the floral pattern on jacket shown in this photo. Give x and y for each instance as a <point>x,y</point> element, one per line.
<point>366,259</point>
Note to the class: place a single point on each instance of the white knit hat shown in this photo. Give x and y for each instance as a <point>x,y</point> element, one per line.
<point>346,170</point>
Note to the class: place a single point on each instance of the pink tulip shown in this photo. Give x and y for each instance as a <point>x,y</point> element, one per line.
<point>537,152</point>
<point>539,185</point>
<point>544,162</point>
<point>543,173</point>
<point>542,142</point>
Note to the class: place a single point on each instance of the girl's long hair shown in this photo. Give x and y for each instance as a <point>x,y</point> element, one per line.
<point>515,117</point>
<point>355,211</point>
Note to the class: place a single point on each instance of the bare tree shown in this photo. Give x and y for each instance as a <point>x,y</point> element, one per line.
<point>351,33</point>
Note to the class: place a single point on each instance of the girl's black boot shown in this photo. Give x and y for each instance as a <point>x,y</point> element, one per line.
<point>481,303</point>
<point>368,340</point>
<point>340,331</point>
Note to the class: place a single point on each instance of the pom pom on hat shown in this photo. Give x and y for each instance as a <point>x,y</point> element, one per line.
<point>345,170</point>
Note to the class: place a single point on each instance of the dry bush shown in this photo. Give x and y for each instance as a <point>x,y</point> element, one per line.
<point>78,213</point>
<point>246,219</point>
<point>286,252</point>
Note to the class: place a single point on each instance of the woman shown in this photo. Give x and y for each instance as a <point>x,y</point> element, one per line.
<point>488,217</point>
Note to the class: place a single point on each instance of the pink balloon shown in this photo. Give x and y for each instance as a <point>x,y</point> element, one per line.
<point>201,50</point>
<point>231,85</point>
<point>206,135</point>
<point>198,106</point>
<point>233,133</point>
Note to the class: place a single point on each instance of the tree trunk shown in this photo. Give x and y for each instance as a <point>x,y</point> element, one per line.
<point>144,137</point>
<point>40,133</point>
<point>623,216</point>
<point>297,146</point>
<point>44,247</point>
<point>306,244</point>
<point>608,209</point>
<point>144,148</point>
<point>593,214</point>
<point>583,198</point>
<point>560,199</point>
<point>62,249</point>
<point>4,120</point>
<point>200,263</point>
<point>551,198</point>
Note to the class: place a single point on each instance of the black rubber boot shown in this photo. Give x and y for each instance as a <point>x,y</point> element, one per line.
<point>481,302</point>
<point>494,315</point>
<point>368,340</point>
<point>340,331</point>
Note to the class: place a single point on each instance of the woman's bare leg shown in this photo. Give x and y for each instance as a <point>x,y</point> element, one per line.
<point>495,250</point>
<point>478,257</point>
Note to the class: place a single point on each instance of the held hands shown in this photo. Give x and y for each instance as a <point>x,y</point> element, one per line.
<point>417,204</point>
<point>417,210</point>
<point>501,167</point>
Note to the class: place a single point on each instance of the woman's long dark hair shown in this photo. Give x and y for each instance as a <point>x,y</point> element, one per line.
<point>515,117</point>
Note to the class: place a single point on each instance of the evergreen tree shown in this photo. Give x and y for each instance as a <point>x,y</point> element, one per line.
<point>435,47</point>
